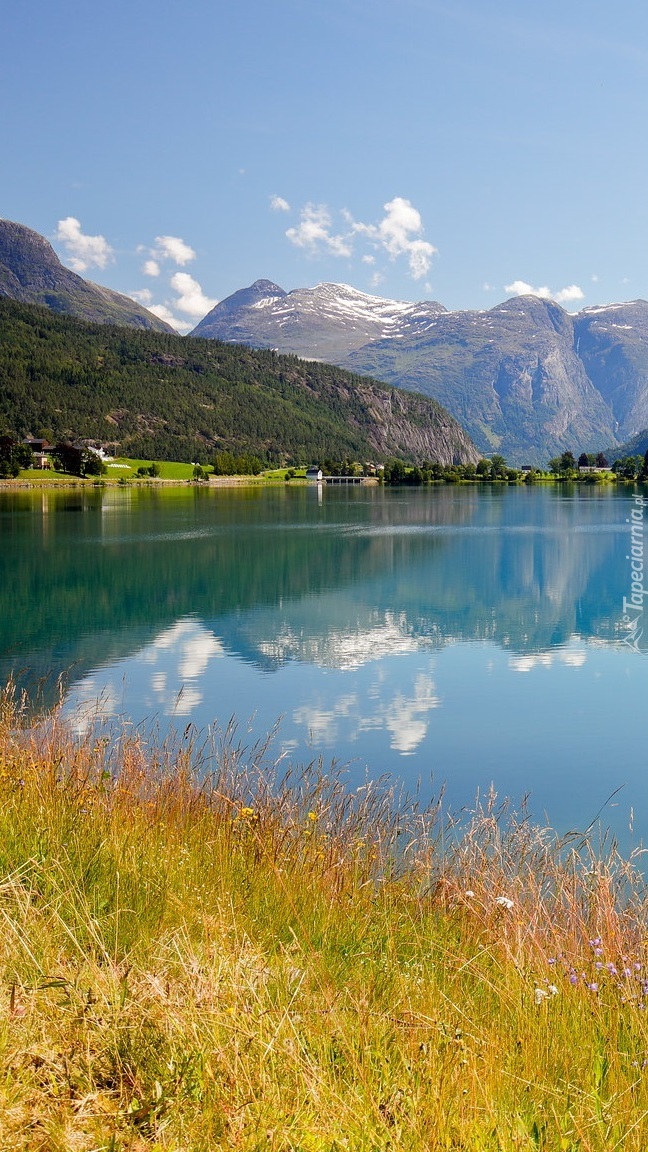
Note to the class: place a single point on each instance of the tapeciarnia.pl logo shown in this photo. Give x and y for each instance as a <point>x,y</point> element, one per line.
<point>632,621</point>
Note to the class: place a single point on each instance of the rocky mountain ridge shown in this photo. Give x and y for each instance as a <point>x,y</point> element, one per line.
<point>525,378</point>
<point>31,273</point>
<point>326,322</point>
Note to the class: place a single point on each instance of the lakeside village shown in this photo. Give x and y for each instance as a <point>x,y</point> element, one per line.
<point>93,459</point>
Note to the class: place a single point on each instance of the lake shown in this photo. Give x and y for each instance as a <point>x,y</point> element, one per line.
<point>459,636</point>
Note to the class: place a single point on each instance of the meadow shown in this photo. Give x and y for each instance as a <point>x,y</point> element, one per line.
<point>203,950</point>
<point>123,468</point>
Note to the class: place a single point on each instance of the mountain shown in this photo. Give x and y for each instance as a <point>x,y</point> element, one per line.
<point>323,323</point>
<point>510,375</point>
<point>31,273</point>
<point>525,378</point>
<point>612,342</point>
<point>164,396</point>
<point>637,445</point>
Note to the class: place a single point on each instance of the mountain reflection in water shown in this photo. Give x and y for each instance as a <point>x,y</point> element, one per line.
<point>380,625</point>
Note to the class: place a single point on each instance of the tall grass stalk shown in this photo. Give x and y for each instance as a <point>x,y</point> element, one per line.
<point>201,951</point>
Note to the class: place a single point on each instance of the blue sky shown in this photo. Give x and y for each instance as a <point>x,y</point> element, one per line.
<point>458,151</point>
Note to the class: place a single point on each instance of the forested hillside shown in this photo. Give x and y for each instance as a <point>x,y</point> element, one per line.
<point>162,396</point>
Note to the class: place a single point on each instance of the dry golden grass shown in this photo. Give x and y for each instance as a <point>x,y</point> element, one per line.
<point>198,954</point>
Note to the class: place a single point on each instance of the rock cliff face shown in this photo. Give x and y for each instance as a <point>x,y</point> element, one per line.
<point>412,426</point>
<point>31,273</point>
<point>511,376</point>
<point>526,378</point>
<point>612,343</point>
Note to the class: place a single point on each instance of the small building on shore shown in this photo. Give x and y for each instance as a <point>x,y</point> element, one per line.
<point>41,452</point>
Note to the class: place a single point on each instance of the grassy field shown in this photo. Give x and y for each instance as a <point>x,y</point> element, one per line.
<point>169,469</point>
<point>198,956</point>
<point>123,468</point>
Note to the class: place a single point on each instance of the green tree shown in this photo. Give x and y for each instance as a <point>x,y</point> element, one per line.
<point>395,472</point>
<point>224,464</point>
<point>14,456</point>
<point>69,458</point>
<point>563,466</point>
<point>93,465</point>
<point>628,467</point>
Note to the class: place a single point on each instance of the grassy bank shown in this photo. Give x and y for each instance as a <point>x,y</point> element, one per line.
<point>195,961</point>
<point>124,469</point>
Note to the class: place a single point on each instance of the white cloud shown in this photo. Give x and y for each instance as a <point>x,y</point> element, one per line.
<point>521,288</point>
<point>174,249</point>
<point>572,657</point>
<point>397,234</point>
<point>314,232</point>
<point>198,651</point>
<point>322,724</point>
<point>191,298</point>
<point>82,251</point>
<point>406,718</point>
<point>171,248</point>
<point>564,296</point>
<point>278,204</point>
<point>397,231</point>
<point>163,312</point>
<point>568,295</point>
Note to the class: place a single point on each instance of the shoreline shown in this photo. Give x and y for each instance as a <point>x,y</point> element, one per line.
<point>46,485</point>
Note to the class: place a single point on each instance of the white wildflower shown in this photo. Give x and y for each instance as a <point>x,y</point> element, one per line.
<point>504,902</point>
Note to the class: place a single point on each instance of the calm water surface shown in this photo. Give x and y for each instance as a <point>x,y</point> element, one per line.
<point>454,635</point>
